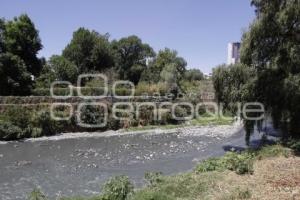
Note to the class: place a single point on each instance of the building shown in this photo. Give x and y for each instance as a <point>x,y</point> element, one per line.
<point>233,53</point>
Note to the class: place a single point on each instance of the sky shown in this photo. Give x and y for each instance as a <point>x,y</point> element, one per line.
<point>198,29</point>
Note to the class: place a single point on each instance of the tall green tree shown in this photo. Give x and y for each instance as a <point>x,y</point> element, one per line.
<point>63,69</point>
<point>131,56</point>
<point>270,50</point>
<point>21,38</point>
<point>193,75</point>
<point>272,46</point>
<point>90,51</point>
<point>19,64</point>
<point>165,58</point>
<point>2,28</point>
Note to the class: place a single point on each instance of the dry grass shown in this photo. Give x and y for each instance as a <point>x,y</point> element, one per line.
<point>273,179</point>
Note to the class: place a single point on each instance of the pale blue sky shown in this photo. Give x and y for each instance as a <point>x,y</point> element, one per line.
<point>198,29</point>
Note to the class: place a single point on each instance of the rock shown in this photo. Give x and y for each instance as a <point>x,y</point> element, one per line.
<point>23,163</point>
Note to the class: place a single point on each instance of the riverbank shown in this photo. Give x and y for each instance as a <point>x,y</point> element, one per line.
<point>210,130</point>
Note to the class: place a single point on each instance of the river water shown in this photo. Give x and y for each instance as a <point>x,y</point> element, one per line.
<point>79,166</point>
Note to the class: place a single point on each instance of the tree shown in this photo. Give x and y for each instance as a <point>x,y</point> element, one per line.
<point>2,28</point>
<point>270,72</point>
<point>21,38</point>
<point>272,46</point>
<point>163,59</point>
<point>63,69</point>
<point>193,75</point>
<point>14,78</point>
<point>89,50</point>
<point>131,57</point>
<point>233,84</point>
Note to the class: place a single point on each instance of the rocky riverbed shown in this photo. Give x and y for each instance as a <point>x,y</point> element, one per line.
<point>79,163</point>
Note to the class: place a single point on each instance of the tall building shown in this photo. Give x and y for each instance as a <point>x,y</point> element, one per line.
<point>233,53</point>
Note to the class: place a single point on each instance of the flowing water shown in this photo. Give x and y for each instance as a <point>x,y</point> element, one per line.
<point>79,166</point>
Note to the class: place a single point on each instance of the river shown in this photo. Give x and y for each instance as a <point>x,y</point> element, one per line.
<point>80,165</point>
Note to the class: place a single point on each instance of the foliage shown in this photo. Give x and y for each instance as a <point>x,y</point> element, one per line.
<point>14,78</point>
<point>36,194</point>
<point>153,178</point>
<point>131,57</point>
<point>144,88</point>
<point>22,39</point>
<point>9,131</point>
<point>18,122</point>
<point>89,50</point>
<point>232,84</point>
<point>117,188</point>
<point>19,45</point>
<point>92,114</point>
<point>240,163</point>
<point>44,81</point>
<point>64,69</point>
<point>272,46</point>
<point>211,164</point>
<point>165,58</point>
<point>193,75</point>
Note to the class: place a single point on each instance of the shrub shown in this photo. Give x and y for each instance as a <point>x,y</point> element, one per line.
<point>211,164</point>
<point>92,114</point>
<point>47,125</point>
<point>20,122</point>
<point>240,163</point>
<point>19,116</point>
<point>154,178</point>
<point>151,89</point>
<point>8,131</point>
<point>118,188</point>
<point>36,194</point>
<point>146,115</point>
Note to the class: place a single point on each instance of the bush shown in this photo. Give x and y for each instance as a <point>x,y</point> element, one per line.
<point>8,131</point>
<point>36,194</point>
<point>92,115</point>
<point>19,116</point>
<point>154,178</point>
<point>47,125</point>
<point>211,164</point>
<point>151,89</point>
<point>20,122</point>
<point>240,163</point>
<point>118,188</point>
